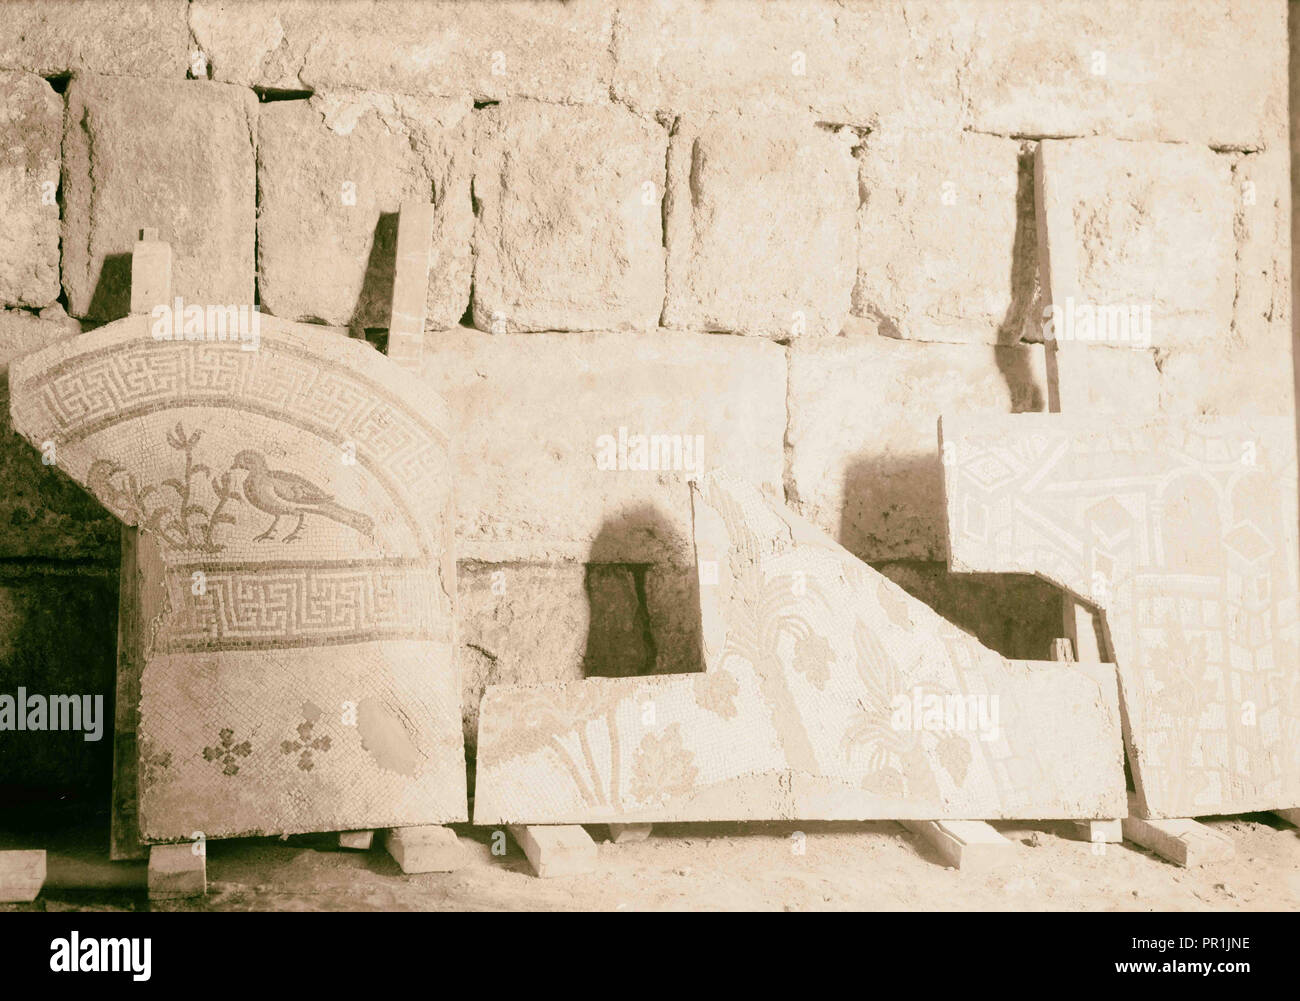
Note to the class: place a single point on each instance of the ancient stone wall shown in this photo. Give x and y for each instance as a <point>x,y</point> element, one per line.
<point>775,237</point>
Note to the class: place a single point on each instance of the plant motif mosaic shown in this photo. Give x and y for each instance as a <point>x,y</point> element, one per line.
<point>814,664</point>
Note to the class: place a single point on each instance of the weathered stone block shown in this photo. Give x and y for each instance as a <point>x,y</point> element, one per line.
<point>551,432</point>
<point>31,119</point>
<point>1211,72</point>
<point>489,50</point>
<point>332,173</point>
<point>425,849</point>
<point>864,459</point>
<point>761,226</point>
<point>1138,229</point>
<point>946,243</point>
<point>116,37</point>
<point>177,157</point>
<point>858,63</point>
<point>569,231</point>
<point>21,331</point>
<point>177,871</point>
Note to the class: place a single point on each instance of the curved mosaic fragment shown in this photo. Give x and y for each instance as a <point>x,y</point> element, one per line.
<point>288,579</point>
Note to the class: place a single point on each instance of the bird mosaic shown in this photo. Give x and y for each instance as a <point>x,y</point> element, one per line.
<point>175,509</point>
<point>284,494</point>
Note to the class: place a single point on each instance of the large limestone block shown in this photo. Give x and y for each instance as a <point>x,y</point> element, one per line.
<point>829,693</point>
<point>332,173</point>
<point>1138,233</point>
<point>114,37</point>
<point>31,120</point>
<point>551,430</point>
<point>861,435</point>
<point>761,226</point>
<point>490,50</point>
<point>1210,72</point>
<point>1183,534</point>
<point>177,157</point>
<point>946,244</point>
<point>860,63</point>
<point>570,230</point>
<point>287,629</point>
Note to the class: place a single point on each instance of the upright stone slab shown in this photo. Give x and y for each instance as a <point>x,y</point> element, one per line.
<point>31,119</point>
<point>175,156</point>
<point>828,693</point>
<point>294,578</point>
<point>1183,533</point>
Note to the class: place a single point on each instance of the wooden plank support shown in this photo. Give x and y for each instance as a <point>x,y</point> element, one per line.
<point>1182,842</point>
<point>151,273</point>
<point>410,284</point>
<point>430,848</point>
<point>357,840</point>
<point>151,278</point>
<point>177,871</point>
<point>562,850</point>
<point>22,874</point>
<point>1290,816</point>
<point>1105,832</point>
<point>626,834</point>
<point>963,844</point>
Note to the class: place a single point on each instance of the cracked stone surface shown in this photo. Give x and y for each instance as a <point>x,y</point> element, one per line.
<point>486,49</point>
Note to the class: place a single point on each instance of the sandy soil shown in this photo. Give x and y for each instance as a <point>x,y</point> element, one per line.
<point>688,867</point>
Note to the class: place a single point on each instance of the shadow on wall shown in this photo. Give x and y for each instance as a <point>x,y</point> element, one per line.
<point>58,636</point>
<point>111,299</point>
<point>374,303</point>
<point>642,616</point>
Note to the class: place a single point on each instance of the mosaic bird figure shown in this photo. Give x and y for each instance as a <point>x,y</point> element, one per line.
<point>280,493</point>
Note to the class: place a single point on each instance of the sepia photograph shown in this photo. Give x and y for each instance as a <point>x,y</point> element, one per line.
<point>652,456</point>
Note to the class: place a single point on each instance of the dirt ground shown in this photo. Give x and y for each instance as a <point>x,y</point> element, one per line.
<point>724,867</point>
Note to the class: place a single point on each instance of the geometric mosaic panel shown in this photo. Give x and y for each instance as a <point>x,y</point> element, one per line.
<point>1183,534</point>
